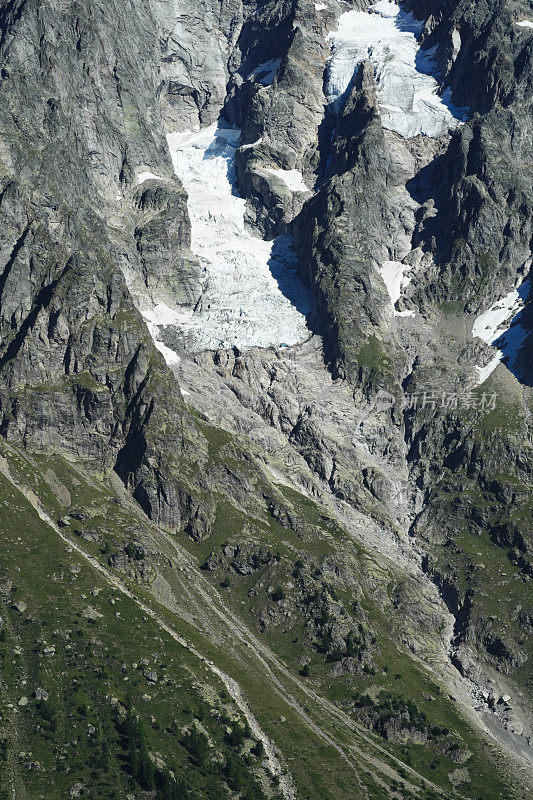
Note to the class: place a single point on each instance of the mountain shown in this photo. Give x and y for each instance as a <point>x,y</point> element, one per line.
<point>266,399</point>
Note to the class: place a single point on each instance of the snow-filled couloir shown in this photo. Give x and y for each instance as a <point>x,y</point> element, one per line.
<point>407,89</point>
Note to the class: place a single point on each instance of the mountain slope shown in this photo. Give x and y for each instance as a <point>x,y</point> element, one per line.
<point>322,517</point>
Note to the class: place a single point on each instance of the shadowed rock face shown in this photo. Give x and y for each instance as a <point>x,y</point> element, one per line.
<point>96,232</point>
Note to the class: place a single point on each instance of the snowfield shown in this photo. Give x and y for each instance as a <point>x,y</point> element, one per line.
<point>500,326</point>
<point>266,71</point>
<point>407,88</point>
<point>252,293</point>
<point>394,278</point>
<point>147,176</point>
<point>292,178</point>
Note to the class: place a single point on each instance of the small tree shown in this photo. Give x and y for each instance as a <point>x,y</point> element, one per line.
<point>278,594</point>
<point>197,745</point>
<point>258,749</point>
<point>236,737</point>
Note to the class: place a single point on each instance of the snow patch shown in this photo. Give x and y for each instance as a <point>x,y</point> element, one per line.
<point>252,144</point>
<point>525,23</point>
<point>486,372</point>
<point>147,176</point>
<point>169,355</point>
<point>394,278</point>
<point>157,316</point>
<point>252,294</point>
<point>292,178</point>
<point>320,6</point>
<point>267,70</point>
<point>407,89</point>
<point>488,325</point>
<point>500,326</point>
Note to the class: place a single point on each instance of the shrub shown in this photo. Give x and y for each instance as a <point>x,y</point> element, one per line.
<point>278,594</point>
<point>197,745</point>
<point>258,749</point>
<point>236,737</point>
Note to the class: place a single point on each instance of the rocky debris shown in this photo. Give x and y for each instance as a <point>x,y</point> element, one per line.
<point>41,694</point>
<point>133,560</point>
<point>91,614</point>
<point>88,536</point>
<point>455,212</point>
<point>23,701</point>
<point>150,675</point>
<point>35,766</point>
<point>459,776</point>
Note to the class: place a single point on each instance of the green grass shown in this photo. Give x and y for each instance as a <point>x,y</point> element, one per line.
<point>93,663</point>
<point>319,770</point>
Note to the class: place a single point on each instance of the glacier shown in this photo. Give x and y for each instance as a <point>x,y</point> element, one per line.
<point>406,75</point>
<point>252,294</point>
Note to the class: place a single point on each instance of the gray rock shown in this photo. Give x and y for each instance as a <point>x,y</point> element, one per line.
<point>91,614</point>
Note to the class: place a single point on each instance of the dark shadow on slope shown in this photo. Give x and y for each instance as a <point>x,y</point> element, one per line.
<point>283,265</point>
<point>224,145</point>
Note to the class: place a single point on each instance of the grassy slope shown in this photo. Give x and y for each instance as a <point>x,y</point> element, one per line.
<point>328,755</point>
<point>96,667</point>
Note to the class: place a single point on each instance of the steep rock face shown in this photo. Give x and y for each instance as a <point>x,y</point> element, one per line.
<point>279,107</point>
<point>482,226</point>
<point>195,45</point>
<point>163,237</point>
<point>340,236</point>
<point>79,370</point>
<point>456,212</point>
